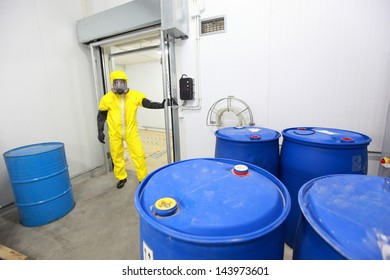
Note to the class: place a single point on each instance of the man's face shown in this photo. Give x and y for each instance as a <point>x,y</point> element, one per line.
<point>119,86</point>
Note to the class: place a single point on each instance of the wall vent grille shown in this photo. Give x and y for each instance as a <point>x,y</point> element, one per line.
<point>212,25</point>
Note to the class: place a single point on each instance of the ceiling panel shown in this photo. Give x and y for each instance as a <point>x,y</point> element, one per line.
<point>136,50</point>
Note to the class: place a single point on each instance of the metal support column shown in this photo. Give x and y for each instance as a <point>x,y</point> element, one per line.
<point>170,91</point>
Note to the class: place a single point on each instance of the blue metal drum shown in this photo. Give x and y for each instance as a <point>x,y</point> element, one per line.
<point>344,217</point>
<point>211,209</point>
<point>310,152</point>
<point>256,145</point>
<point>41,184</point>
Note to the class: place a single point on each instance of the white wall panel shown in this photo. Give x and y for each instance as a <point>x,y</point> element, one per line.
<point>90,7</point>
<point>231,63</point>
<point>330,65</point>
<point>46,84</point>
<point>296,63</point>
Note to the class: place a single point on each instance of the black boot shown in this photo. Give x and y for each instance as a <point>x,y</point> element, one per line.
<point>121,183</point>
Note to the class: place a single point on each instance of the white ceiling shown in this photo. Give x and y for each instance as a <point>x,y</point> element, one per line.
<point>138,55</point>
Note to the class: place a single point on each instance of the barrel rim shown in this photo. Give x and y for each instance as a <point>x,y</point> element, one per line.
<point>309,141</point>
<point>9,155</point>
<point>231,239</point>
<point>224,137</point>
<point>303,191</point>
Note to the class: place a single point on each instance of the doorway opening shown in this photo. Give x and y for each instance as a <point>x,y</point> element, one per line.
<point>139,56</point>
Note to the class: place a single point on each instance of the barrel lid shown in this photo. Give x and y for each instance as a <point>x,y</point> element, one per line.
<point>214,202</point>
<point>351,213</point>
<point>33,149</point>
<point>247,134</point>
<point>326,136</point>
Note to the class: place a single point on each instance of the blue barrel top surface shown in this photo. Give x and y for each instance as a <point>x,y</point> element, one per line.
<point>213,203</point>
<point>35,162</point>
<point>247,134</point>
<point>331,137</point>
<point>351,213</point>
<point>34,149</point>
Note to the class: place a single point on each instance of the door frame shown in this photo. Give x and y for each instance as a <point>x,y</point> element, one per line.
<point>168,61</point>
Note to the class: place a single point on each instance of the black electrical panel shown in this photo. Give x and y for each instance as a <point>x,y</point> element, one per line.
<point>186,88</point>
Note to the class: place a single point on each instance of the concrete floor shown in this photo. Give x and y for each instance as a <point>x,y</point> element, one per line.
<point>103,225</point>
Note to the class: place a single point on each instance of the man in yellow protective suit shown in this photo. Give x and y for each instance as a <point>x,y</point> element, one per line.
<point>119,108</point>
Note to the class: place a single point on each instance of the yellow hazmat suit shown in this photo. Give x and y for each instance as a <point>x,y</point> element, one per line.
<point>122,126</point>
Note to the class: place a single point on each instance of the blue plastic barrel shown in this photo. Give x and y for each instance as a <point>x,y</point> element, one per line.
<point>310,152</point>
<point>256,145</point>
<point>344,217</point>
<point>40,181</point>
<point>211,209</point>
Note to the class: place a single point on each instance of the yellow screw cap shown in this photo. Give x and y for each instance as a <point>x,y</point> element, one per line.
<point>165,206</point>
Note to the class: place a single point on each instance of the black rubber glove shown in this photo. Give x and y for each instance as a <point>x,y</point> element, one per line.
<point>101,137</point>
<point>146,103</point>
<point>101,119</point>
